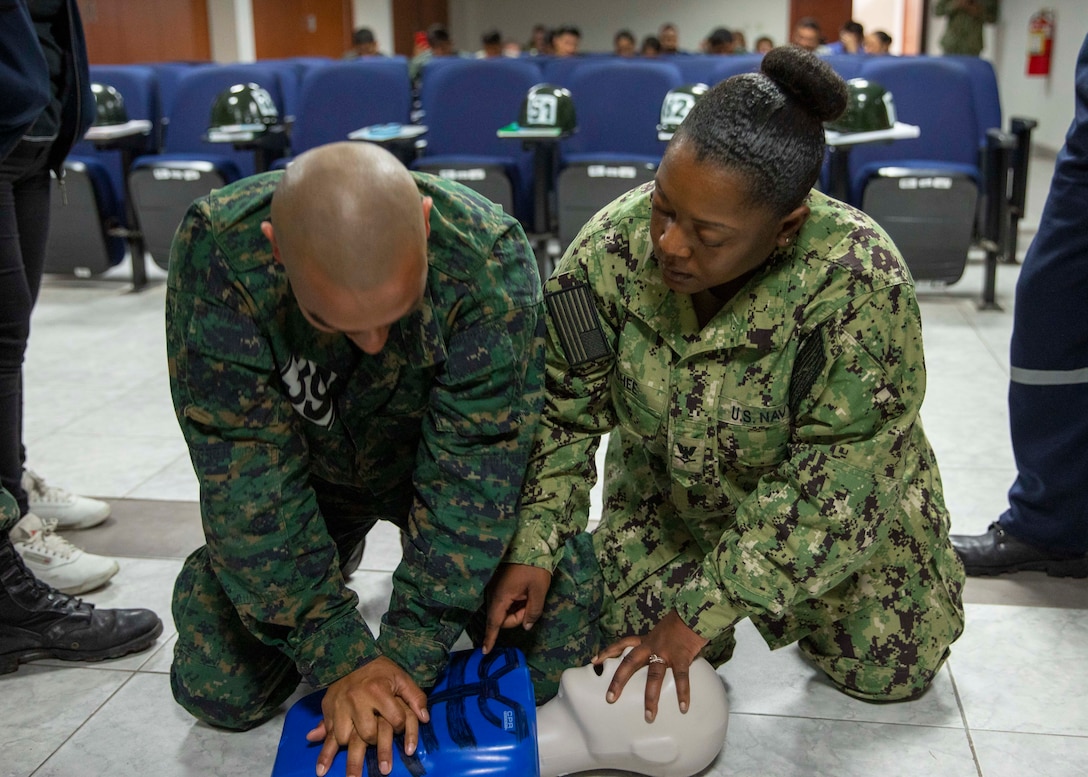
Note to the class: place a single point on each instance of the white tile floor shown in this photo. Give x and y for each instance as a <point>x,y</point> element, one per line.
<point>1012,701</point>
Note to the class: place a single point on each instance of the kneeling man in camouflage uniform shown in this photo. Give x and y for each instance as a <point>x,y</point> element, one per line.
<point>348,342</point>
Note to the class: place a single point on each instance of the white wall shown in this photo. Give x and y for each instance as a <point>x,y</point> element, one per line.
<point>230,28</point>
<point>378,16</point>
<point>599,20</point>
<point>1047,99</point>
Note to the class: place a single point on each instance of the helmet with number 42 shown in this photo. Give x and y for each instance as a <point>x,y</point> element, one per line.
<point>676,105</point>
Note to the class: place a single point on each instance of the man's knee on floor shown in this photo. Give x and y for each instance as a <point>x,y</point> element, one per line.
<point>204,697</point>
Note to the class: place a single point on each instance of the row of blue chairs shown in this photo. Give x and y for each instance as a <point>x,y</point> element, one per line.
<point>462,102</point>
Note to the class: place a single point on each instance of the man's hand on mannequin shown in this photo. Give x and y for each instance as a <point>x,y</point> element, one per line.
<point>367,707</point>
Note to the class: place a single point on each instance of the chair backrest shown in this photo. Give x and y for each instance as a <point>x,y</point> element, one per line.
<point>846,65</point>
<point>465,101</point>
<point>559,70</point>
<point>196,92</point>
<point>727,67</point>
<point>169,74</point>
<point>618,105</point>
<point>343,96</point>
<point>987,97</point>
<point>934,94</point>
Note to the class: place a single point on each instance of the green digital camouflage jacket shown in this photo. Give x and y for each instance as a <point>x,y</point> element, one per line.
<point>437,425</point>
<point>778,450</point>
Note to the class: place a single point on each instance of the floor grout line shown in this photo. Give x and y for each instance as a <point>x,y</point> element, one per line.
<point>963,717</point>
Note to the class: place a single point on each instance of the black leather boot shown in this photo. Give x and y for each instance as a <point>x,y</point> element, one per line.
<point>997,552</point>
<point>37,621</point>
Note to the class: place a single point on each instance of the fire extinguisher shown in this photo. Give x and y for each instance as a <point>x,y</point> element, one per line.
<point>1040,42</point>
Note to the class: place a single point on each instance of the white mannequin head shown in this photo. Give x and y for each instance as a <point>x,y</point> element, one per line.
<point>578,730</point>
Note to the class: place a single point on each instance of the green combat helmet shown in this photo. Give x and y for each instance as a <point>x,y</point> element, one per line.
<point>547,106</point>
<point>675,108</point>
<point>869,107</point>
<point>109,106</point>
<point>243,108</point>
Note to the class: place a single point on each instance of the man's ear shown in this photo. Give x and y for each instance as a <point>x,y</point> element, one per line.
<point>427,203</point>
<point>266,230</point>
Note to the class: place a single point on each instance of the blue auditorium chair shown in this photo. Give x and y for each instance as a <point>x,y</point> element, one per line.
<point>618,105</point>
<point>710,69</point>
<point>558,70</point>
<point>163,185</point>
<point>464,103</point>
<point>90,219</point>
<point>984,92</point>
<point>924,191</point>
<point>168,74</point>
<point>846,65</point>
<point>343,96</point>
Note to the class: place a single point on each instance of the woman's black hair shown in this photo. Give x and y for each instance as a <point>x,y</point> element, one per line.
<point>768,126</point>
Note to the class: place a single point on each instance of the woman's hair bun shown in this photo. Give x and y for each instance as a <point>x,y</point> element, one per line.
<point>806,78</point>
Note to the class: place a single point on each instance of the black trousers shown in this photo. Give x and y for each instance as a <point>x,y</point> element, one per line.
<point>24,227</point>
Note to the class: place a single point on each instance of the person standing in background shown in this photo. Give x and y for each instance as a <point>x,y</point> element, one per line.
<point>47,106</point>
<point>1045,528</point>
<point>44,142</point>
<point>966,18</point>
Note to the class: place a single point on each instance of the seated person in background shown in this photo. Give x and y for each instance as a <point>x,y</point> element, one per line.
<point>851,40</point>
<point>807,34</point>
<point>740,44</point>
<point>753,349</point>
<point>539,41</point>
<point>348,342</point>
<point>363,44</point>
<point>878,43</point>
<point>439,44</point>
<point>651,47</point>
<point>623,45</point>
<point>669,35</point>
<point>720,41</point>
<point>566,41</point>
<point>764,44</point>
<point>491,41</point>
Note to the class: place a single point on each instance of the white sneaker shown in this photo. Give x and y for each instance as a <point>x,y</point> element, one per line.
<point>67,509</point>
<point>57,562</point>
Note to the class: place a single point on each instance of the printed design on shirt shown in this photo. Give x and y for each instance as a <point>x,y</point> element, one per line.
<point>308,386</point>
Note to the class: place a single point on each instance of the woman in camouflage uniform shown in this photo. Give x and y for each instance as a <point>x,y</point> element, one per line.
<point>754,350</point>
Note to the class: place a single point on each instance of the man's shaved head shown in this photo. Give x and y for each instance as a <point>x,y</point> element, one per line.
<point>349,211</point>
<point>350,227</point>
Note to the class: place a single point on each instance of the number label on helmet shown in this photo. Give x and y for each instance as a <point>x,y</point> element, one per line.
<point>264,103</point>
<point>676,107</point>
<point>542,109</point>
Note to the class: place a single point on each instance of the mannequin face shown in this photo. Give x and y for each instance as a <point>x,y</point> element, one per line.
<point>618,736</point>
